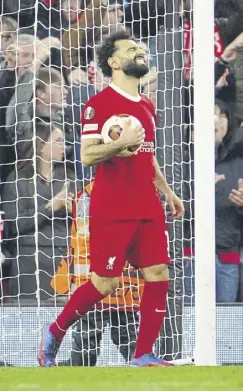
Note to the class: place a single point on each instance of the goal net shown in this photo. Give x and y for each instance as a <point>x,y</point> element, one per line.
<point>48,71</point>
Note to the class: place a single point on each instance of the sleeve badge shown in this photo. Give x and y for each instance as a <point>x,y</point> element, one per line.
<point>89,113</point>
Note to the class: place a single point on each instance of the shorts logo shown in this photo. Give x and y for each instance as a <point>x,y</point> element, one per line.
<point>89,113</point>
<point>111,262</point>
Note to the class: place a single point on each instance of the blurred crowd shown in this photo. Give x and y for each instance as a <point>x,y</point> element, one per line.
<point>48,71</point>
<point>228,51</point>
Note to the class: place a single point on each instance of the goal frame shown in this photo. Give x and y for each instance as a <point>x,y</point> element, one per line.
<point>204,148</point>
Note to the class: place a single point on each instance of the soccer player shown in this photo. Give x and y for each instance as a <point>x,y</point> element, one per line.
<point>127,220</point>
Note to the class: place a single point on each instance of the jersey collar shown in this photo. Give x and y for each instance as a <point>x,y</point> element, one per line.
<point>125,94</point>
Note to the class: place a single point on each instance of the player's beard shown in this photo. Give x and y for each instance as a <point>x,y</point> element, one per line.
<point>131,68</point>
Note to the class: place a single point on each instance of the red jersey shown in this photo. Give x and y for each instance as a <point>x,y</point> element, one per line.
<point>123,187</point>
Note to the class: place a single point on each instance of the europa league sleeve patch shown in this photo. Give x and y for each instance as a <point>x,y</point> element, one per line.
<point>89,113</point>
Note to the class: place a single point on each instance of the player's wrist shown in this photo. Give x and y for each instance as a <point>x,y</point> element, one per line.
<point>165,189</point>
<point>120,144</point>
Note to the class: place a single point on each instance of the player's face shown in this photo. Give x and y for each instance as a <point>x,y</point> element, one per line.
<point>131,58</point>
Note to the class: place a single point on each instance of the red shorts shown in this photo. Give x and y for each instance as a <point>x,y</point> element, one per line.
<point>141,242</point>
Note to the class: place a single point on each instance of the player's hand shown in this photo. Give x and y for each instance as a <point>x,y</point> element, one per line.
<point>175,204</point>
<point>236,196</point>
<point>131,136</point>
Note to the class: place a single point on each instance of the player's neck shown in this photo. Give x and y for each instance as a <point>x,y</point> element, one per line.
<point>128,85</point>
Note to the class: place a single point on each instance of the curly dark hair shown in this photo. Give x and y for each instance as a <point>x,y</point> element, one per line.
<point>108,48</point>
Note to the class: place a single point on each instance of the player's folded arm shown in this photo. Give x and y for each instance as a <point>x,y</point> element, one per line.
<point>93,151</point>
<point>86,152</point>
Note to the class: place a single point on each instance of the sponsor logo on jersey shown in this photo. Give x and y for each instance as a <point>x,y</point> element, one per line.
<point>89,113</point>
<point>147,146</point>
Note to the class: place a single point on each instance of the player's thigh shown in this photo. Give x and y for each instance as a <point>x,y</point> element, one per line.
<point>151,246</point>
<point>108,245</point>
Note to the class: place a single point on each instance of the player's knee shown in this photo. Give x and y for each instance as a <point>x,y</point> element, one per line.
<point>105,285</point>
<point>156,273</point>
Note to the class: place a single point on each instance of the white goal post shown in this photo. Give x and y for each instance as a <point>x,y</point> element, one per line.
<point>205,298</point>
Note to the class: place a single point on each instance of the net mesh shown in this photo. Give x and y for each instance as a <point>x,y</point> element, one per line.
<point>48,71</point>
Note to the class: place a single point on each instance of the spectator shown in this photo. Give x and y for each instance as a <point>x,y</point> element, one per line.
<point>100,17</point>
<point>226,31</point>
<point>23,11</point>
<point>54,17</point>
<point>9,28</point>
<point>228,168</point>
<point>50,99</point>
<point>54,204</point>
<point>239,80</point>
<point>236,196</point>
<point>84,84</point>
<point>75,39</point>
<point>112,17</point>
<point>229,28</point>
<point>77,97</point>
<point>7,85</point>
<point>71,11</point>
<point>224,8</point>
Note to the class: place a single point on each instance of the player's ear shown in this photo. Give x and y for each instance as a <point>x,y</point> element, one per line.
<point>113,63</point>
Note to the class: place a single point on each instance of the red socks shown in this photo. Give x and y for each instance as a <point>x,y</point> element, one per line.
<point>81,301</point>
<point>152,311</point>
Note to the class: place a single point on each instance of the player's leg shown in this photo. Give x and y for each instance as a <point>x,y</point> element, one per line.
<point>153,257</point>
<point>108,242</point>
<point>81,301</point>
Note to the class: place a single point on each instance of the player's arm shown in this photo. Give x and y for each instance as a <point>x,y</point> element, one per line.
<point>160,181</point>
<point>174,203</point>
<point>93,151</point>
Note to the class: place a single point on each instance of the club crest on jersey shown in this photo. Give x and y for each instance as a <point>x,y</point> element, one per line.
<point>89,113</point>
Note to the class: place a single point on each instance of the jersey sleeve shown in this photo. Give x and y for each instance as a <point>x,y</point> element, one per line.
<point>91,120</point>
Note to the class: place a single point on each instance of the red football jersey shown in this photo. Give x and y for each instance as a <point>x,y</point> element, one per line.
<point>123,187</point>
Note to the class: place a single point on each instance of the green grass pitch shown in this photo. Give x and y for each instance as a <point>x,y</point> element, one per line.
<point>122,379</point>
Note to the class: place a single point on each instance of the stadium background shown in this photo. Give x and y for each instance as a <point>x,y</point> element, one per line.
<point>46,81</point>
